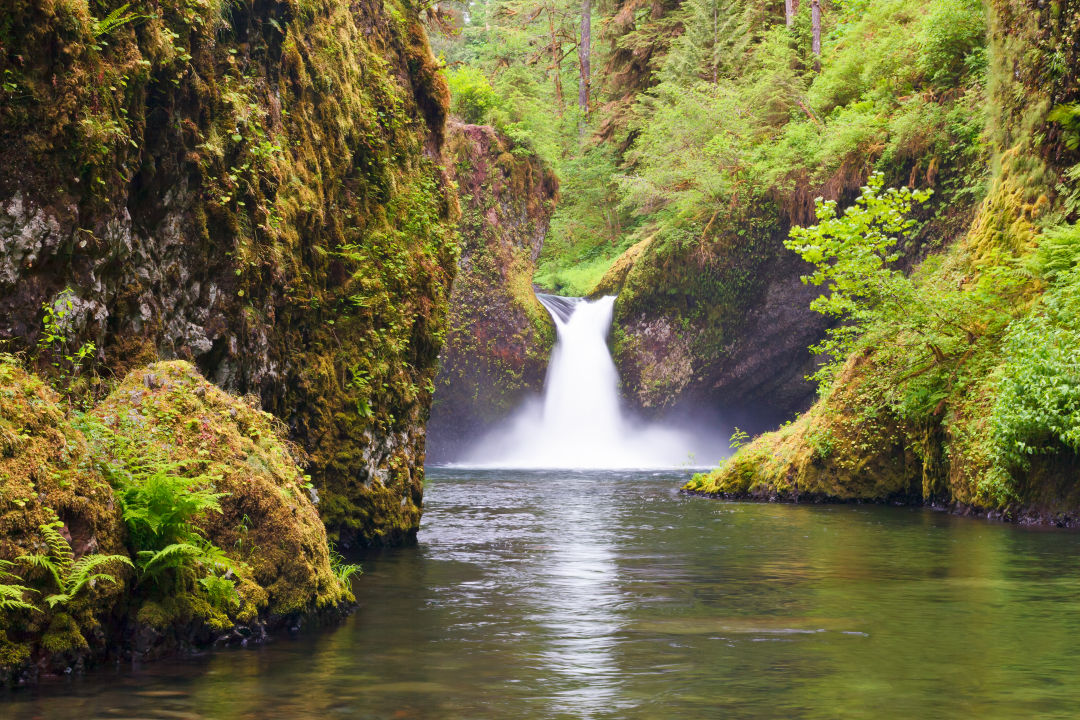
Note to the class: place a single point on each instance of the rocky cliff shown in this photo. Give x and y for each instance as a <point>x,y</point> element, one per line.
<point>711,307</point>
<point>974,409</point>
<point>499,335</point>
<point>254,187</point>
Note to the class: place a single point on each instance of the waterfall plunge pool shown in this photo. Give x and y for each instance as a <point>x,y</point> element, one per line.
<point>561,594</point>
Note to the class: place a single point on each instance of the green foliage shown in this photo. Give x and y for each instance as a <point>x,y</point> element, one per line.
<point>343,571</point>
<point>1037,409</point>
<point>1068,117</point>
<point>116,18</point>
<point>853,255</point>
<point>56,347</point>
<point>738,439</point>
<point>472,96</point>
<point>161,500</point>
<point>13,594</point>
<point>68,576</point>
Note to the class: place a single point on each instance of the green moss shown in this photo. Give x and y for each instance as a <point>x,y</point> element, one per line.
<point>46,472</point>
<point>12,654</point>
<point>268,518</point>
<point>63,635</point>
<point>848,447</point>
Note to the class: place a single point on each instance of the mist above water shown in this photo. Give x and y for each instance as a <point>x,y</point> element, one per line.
<point>580,421</point>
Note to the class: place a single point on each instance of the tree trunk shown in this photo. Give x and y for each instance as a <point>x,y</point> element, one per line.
<point>716,36</point>
<point>815,23</point>
<point>556,52</point>
<point>789,12</point>
<point>584,64</point>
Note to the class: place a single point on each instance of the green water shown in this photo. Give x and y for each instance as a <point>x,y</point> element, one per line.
<point>608,595</point>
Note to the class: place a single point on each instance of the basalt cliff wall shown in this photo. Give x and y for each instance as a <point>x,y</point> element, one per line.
<point>255,187</point>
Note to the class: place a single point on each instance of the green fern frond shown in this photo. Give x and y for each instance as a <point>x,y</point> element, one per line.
<point>59,547</point>
<point>117,18</point>
<point>82,571</point>
<point>40,561</point>
<point>12,597</point>
<point>154,562</point>
<point>58,599</point>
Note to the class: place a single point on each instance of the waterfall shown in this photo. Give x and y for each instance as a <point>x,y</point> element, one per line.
<point>580,422</point>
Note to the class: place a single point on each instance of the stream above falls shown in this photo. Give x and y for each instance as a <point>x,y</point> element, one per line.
<point>565,594</point>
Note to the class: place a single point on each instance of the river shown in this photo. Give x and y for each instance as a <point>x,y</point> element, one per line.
<point>609,595</point>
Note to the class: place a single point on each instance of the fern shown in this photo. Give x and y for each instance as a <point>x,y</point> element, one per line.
<point>81,574</point>
<point>12,595</point>
<point>200,563</point>
<point>68,575</point>
<point>161,500</point>
<point>117,18</point>
<point>220,591</point>
<point>176,556</point>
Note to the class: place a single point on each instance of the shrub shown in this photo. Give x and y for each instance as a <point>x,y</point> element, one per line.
<point>1037,410</point>
<point>472,97</point>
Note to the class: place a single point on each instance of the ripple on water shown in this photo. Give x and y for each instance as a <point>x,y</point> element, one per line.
<point>607,595</point>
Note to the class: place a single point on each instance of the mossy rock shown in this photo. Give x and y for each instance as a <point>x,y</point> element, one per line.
<point>46,474</point>
<point>841,450</point>
<point>269,519</point>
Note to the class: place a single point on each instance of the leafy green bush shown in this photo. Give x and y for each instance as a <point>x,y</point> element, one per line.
<point>951,40</point>
<point>852,255</point>
<point>1037,410</point>
<point>472,97</point>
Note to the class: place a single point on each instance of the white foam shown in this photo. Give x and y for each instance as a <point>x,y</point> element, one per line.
<point>580,423</point>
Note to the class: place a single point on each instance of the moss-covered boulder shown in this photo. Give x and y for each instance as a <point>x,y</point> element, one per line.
<point>55,469</point>
<point>47,475</point>
<point>847,447</point>
<point>499,335</point>
<point>257,191</point>
<point>268,519</point>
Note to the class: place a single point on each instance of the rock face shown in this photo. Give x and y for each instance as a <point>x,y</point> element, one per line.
<point>258,191</point>
<point>499,335</point>
<point>729,334</point>
<point>987,438</point>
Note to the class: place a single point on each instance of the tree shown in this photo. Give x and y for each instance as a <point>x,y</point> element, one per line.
<point>815,23</point>
<point>789,11</point>
<point>584,45</point>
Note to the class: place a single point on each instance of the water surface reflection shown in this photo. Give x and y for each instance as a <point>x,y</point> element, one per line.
<point>608,595</point>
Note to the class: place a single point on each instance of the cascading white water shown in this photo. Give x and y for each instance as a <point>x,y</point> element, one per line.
<point>580,422</point>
